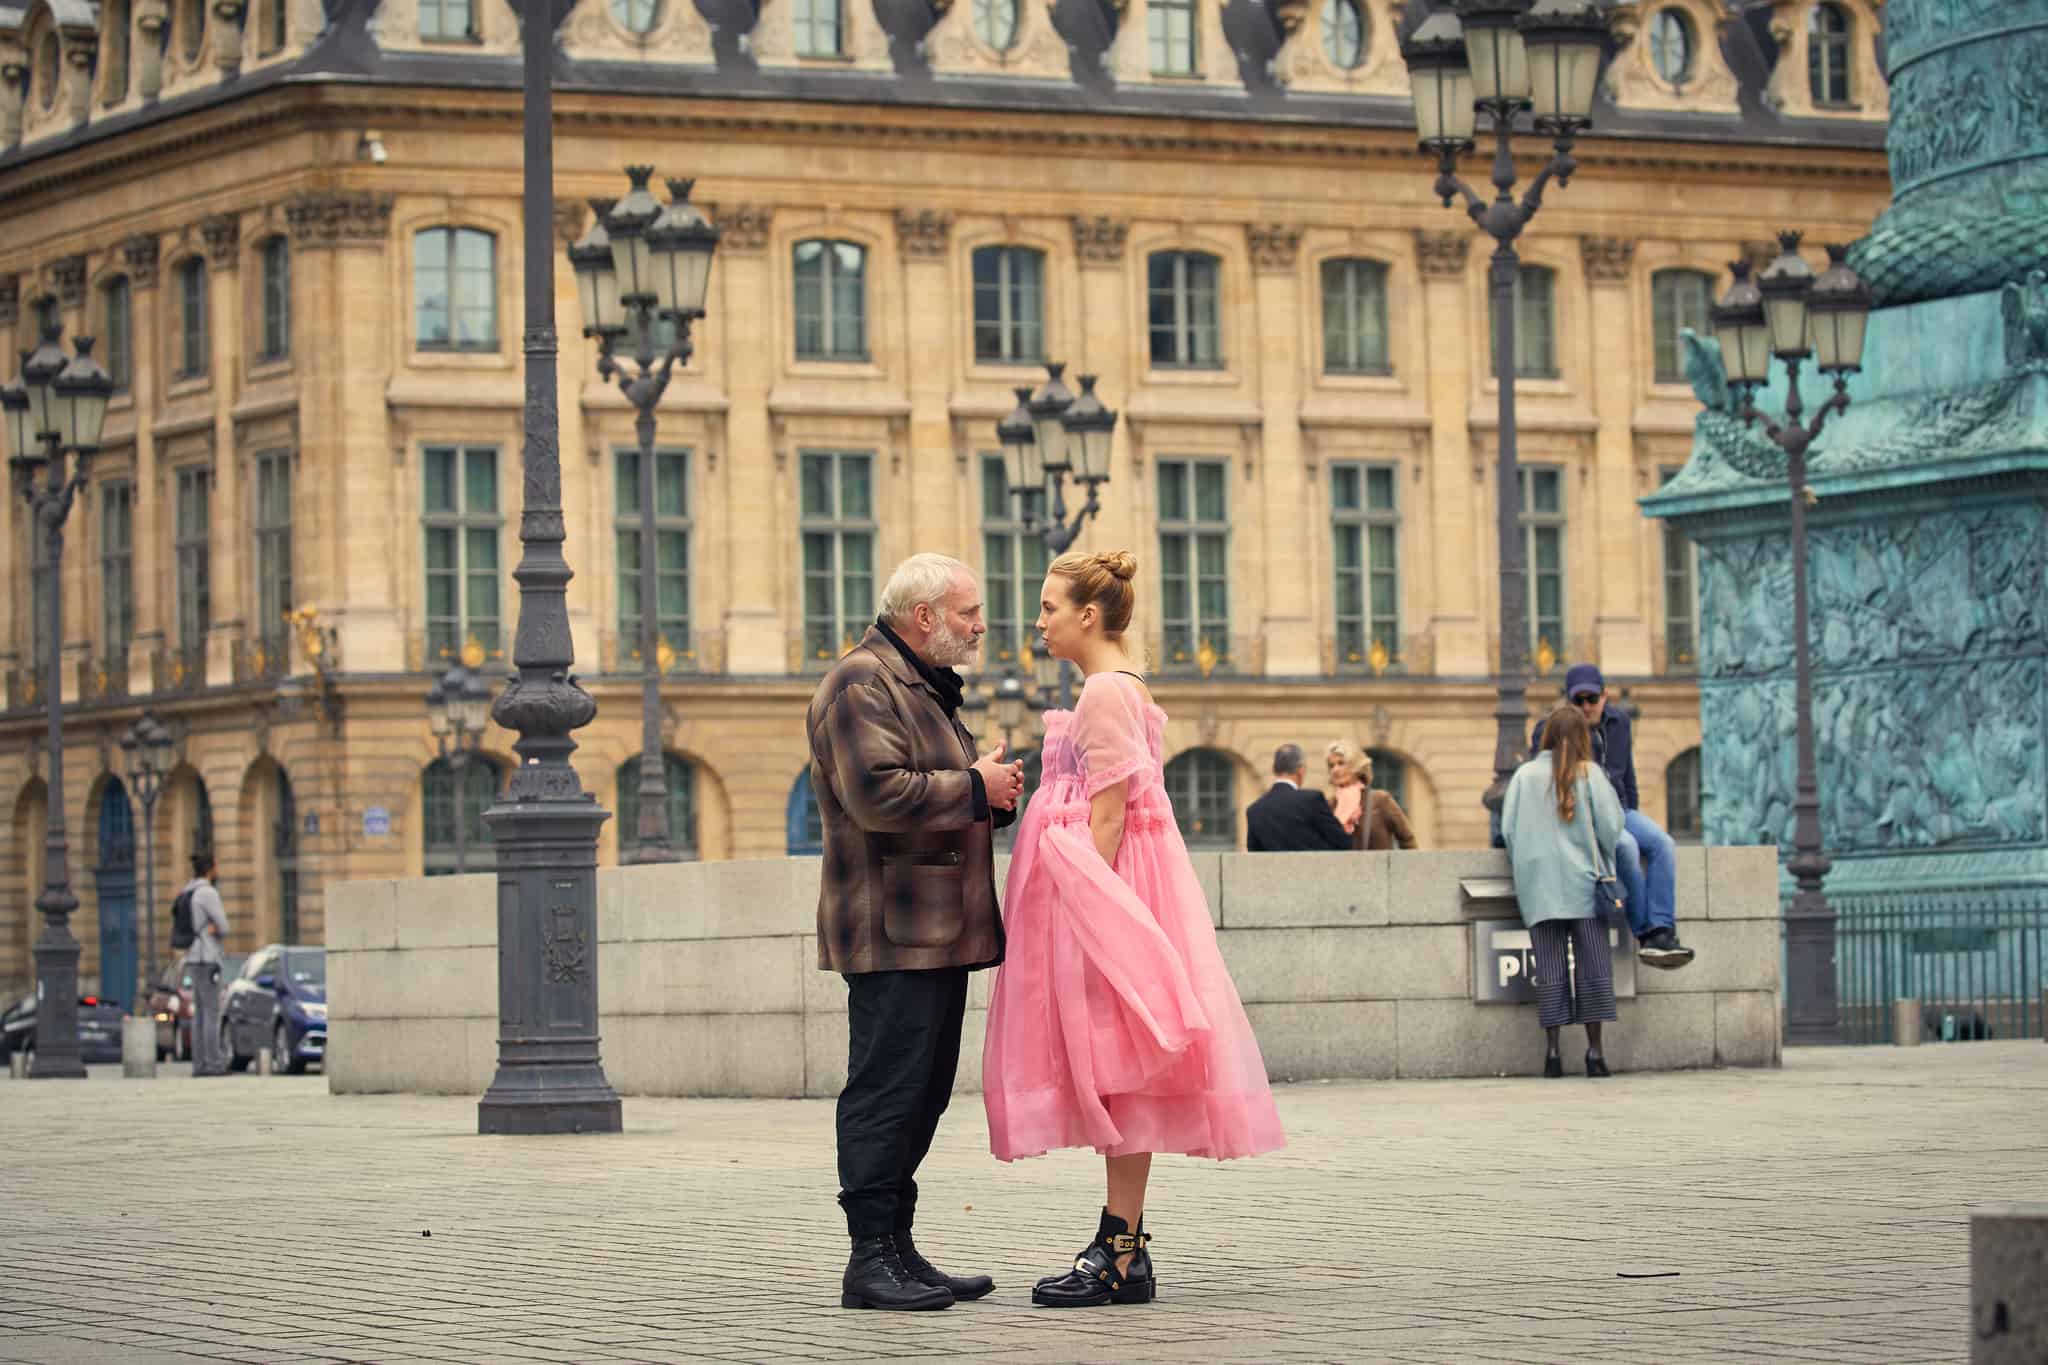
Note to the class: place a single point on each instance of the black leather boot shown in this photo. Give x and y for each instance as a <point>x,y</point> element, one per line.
<point>876,1278</point>
<point>1095,1278</point>
<point>962,1287</point>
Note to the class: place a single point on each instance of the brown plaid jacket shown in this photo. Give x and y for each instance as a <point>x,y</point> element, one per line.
<point>909,876</point>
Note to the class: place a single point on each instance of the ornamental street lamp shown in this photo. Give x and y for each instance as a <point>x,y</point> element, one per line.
<point>56,408</point>
<point>1049,437</point>
<point>550,1078</point>
<point>146,754</point>
<point>1791,314</point>
<point>1504,58</point>
<point>458,708</point>
<point>640,263</point>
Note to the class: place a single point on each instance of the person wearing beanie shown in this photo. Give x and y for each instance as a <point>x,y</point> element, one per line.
<point>1645,857</point>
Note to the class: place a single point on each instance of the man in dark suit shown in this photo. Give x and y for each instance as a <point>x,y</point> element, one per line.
<point>1288,819</point>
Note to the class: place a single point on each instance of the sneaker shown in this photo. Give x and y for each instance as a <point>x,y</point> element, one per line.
<point>1661,948</point>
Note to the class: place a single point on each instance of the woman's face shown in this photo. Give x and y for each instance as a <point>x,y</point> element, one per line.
<point>1061,624</point>
<point>1340,771</point>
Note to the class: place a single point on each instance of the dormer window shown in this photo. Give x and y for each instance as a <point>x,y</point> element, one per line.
<point>1344,34</point>
<point>820,31</point>
<point>1170,29</point>
<point>447,21</point>
<point>1672,46</point>
<point>192,29</point>
<point>995,23</point>
<point>1827,54</point>
<point>47,69</point>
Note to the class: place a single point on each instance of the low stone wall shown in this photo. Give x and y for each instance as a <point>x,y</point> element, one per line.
<point>1350,965</point>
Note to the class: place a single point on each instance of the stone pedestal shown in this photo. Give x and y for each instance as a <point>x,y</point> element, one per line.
<point>138,1047</point>
<point>2009,1285</point>
<point>1906,1023</point>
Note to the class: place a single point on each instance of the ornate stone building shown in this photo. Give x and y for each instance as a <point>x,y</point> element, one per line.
<point>295,228</point>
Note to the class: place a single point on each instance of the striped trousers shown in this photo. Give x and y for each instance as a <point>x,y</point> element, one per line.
<point>1565,996</point>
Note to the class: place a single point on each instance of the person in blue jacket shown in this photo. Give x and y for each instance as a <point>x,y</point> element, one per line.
<point>1645,858</point>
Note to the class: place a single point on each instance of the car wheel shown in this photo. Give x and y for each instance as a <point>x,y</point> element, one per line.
<point>236,1061</point>
<point>281,1059</point>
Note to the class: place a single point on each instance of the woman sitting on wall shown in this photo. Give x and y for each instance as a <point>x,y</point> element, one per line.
<point>1373,818</point>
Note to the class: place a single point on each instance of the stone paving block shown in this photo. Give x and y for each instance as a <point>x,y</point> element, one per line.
<point>1733,955</point>
<point>1288,965</point>
<point>1748,1029</point>
<point>362,914</point>
<point>1313,889</point>
<point>448,912</point>
<point>1659,1033</point>
<point>1451,1038</point>
<point>1422,886</point>
<point>1352,1038</point>
<point>1742,883</point>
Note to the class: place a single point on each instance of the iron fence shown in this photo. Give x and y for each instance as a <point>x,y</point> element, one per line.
<point>1977,961</point>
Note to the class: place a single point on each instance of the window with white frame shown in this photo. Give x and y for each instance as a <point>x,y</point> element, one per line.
<point>1365,529</point>
<point>117,332</point>
<point>830,286</point>
<point>1194,562</point>
<point>1681,595</point>
<point>455,289</point>
<point>672,527</point>
<point>838,529</point>
<point>1013,565</point>
<point>1201,785</point>
<point>448,21</point>
<point>679,777</point>
<point>1354,317</point>
<point>117,567</point>
<point>1827,54</point>
<point>273,528</point>
<point>193,534</point>
<point>1543,545</point>
<point>820,28</point>
<point>1679,299</point>
<point>1170,30</point>
<point>192,332</point>
<point>1009,304</point>
<point>1184,310</point>
<point>276,258</point>
<point>460,515</point>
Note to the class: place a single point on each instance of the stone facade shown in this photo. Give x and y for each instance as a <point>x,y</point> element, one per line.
<point>199,186</point>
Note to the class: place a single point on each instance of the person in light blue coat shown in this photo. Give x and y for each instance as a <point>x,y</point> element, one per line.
<point>1560,823</point>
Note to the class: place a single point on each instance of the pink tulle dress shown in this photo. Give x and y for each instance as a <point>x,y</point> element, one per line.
<point>1113,1023</point>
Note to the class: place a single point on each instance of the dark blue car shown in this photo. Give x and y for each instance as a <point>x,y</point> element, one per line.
<point>278,1003</point>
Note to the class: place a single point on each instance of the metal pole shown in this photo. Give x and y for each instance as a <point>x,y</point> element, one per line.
<point>458,763</point>
<point>653,831</point>
<point>1812,1007</point>
<point>56,951</point>
<point>550,1078</point>
<point>1511,683</point>
<point>148,784</point>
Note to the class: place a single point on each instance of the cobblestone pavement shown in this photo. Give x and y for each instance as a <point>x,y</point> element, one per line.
<point>1817,1213</point>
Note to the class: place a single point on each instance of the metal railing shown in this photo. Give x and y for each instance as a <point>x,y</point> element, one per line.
<point>1977,961</point>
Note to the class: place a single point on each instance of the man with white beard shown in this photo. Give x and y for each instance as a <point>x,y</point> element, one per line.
<point>906,907</point>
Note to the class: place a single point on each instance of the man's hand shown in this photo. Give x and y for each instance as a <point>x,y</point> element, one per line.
<point>1004,782</point>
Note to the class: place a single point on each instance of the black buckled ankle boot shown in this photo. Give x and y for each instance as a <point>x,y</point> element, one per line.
<point>877,1278</point>
<point>962,1287</point>
<point>1095,1278</point>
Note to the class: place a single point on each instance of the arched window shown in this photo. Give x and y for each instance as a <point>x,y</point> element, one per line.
<point>1009,304</point>
<point>679,775</point>
<point>1827,54</point>
<point>1672,46</point>
<point>1354,317</point>
<point>1682,813</point>
<point>1679,299</point>
<point>277,299</point>
<point>806,823</point>
<point>478,788</point>
<point>455,289</point>
<point>1201,785</point>
<point>1344,34</point>
<point>1390,774</point>
<point>1184,308</point>
<point>193,347</point>
<point>831,300</point>
<point>117,332</point>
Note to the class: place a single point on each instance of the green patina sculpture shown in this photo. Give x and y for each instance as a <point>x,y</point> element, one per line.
<point>1928,549</point>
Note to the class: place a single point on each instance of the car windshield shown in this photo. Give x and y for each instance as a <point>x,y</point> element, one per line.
<point>305,969</point>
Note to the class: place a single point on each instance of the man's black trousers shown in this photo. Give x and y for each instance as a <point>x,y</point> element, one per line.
<point>902,1051</point>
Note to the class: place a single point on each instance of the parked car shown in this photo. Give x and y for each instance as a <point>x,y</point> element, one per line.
<point>171,1002</point>
<point>99,1028</point>
<point>277,1001</point>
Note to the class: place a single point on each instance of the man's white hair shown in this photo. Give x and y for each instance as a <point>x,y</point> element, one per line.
<point>919,581</point>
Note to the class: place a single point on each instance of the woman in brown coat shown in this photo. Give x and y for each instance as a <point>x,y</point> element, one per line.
<point>1373,818</point>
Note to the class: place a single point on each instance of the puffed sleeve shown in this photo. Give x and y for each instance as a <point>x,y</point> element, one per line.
<point>1109,732</point>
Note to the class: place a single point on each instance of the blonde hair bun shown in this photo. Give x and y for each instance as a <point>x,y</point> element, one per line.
<point>1122,564</point>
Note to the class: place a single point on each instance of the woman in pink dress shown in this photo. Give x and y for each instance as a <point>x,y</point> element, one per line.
<point>1113,1023</point>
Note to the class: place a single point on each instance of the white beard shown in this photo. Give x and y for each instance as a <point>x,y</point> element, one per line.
<point>950,650</point>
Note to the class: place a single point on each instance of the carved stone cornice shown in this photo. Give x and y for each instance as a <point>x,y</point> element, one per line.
<point>1100,240</point>
<point>325,218</point>
<point>923,232</point>
<point>223,234</point>
<point>139,256</point>
<point>68,275</point>
<point>10,300</point>
<point>1607,258</point>
<point>1274,246</point>
<point>744,227</point>
<point>1442,252</point>
<point>568,220</point>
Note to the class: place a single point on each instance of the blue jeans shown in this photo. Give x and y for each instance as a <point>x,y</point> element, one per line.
<point>1646,861</point>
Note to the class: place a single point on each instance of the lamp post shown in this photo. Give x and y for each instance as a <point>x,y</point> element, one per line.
<point>643,262</point>
<point>1052,436</point>
<point>146,753</point>
<point>1504,58</point>
<point>458,708</point>
<point>1791,314</point>
<point>56,408</point>
<point>549,1078</point>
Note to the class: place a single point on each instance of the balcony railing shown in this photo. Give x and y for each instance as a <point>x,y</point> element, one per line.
<point>103,679</point>
<point>181,668</point>
<point>264,659</point>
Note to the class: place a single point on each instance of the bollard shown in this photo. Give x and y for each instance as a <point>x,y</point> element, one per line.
<point>17,1065</point>
<point>1906,1022</point>
<point>138,1047</point>
<point>2009,1284</point>
<point>263,1061</point>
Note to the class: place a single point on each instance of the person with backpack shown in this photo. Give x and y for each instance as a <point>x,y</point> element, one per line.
<point>199,918</point>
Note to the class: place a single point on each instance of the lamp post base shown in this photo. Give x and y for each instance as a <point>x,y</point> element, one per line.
<point>57,1053</point>
<point>1812,1009</point>
<point>548,1100</point>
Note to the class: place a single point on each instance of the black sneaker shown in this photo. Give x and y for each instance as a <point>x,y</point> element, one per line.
<point>1661,948</point>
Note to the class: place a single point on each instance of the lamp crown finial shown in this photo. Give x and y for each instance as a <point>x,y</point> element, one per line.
<point>1789,240</point>
<point>639,175</point>
<point>679,187</point>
